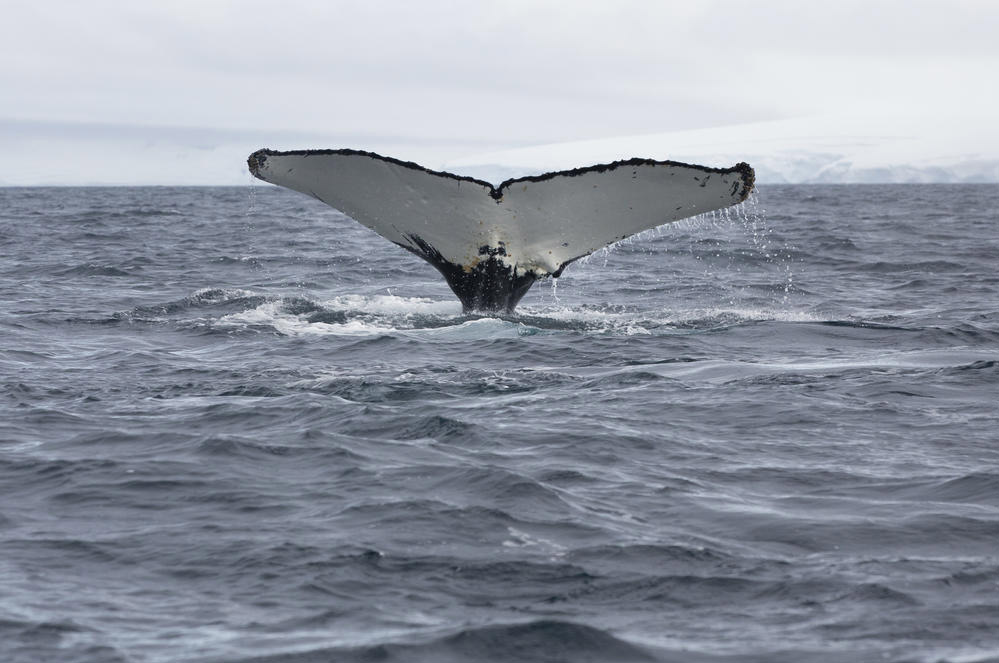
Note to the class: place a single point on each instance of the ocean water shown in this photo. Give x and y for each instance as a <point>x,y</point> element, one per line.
<point>237,426</point>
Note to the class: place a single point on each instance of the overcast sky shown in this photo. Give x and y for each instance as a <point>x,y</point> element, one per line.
<point>169,91</point>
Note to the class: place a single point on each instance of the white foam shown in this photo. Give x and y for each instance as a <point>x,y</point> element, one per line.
<point>741,315</point>
<point>270,314</point>
<point>378,315</point>
<point>219,295</point>
<point>394,305</point>
<point>480,328</point>
<point>520,539</point>
<point>408,316</point>
<point>638,322</point>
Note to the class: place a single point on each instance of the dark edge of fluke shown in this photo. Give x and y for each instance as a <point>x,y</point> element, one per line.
<point>257,159</point>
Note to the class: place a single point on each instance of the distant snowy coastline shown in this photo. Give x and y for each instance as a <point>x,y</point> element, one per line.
<point>825,150</point>
<point>804,150</point>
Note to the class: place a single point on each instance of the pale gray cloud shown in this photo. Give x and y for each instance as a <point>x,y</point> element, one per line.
<point>456,76</point>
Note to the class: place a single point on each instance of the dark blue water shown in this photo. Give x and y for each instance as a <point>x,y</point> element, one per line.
<point>235,425</point>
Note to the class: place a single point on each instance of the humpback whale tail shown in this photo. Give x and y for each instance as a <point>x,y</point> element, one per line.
<point>492,243</point>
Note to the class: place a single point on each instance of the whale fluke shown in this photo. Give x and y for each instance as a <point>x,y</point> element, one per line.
<point>492,243</point>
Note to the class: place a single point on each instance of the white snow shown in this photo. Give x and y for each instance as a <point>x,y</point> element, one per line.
<point>843,149</point>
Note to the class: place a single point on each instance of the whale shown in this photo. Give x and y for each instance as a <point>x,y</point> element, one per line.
<point>492,243</point>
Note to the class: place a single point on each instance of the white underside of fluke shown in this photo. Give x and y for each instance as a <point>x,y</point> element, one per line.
<point>533,225</point>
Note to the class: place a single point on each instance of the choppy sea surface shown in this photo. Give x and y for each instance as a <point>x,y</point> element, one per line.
<point>237,426</point>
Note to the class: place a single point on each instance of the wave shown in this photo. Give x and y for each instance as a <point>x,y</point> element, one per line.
<point>50,640</point>
<point>428,319</point>
<point>540,640</point>
<point>237,310</point>
<point>918,267</point>
<point>93,269</point>
<point>206,299</point>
